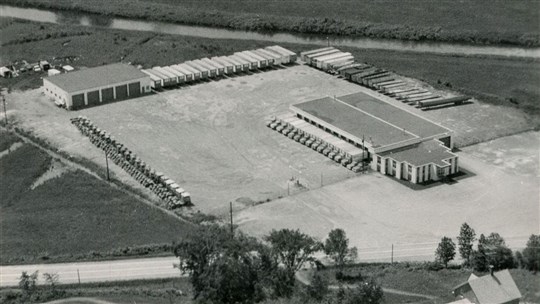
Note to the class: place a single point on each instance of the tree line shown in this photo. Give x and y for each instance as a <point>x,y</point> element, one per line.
<point>491,250</point>
<point>230,267</point>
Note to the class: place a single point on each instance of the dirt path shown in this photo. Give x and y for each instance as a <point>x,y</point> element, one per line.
<point>80,300</point>
<point>75,165</point>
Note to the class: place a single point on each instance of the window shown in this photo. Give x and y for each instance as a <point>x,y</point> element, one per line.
<point>409,169</point>
<point>394,164</point>
<point>378,159</point>
<point>440,171</point>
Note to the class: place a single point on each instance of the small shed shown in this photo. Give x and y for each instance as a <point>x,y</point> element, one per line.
<point>52,72</point>
<point>68,68</point>
<point>6,72</point>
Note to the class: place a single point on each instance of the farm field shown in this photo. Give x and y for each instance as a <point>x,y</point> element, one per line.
<point>469,22</point>
<point>51,211</point>
<point>415,220</point>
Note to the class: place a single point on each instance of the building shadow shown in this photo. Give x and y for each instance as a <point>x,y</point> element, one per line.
<point>447,106</point>
<point>448,180</point>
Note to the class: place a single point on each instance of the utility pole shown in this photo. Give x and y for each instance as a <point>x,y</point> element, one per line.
<point>230,211</point>
<point>5,113</point>
<point>79,276</point>
<point>328,40</point>
<point>321,180</point>
<point>288,190</point>
<point>107,163</point>
<point>392,258</point>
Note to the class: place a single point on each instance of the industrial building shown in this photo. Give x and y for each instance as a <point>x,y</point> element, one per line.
<point>94,86</point>
<point>394,141</point>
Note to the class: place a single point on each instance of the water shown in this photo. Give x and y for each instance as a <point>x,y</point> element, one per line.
<point>209,32</point>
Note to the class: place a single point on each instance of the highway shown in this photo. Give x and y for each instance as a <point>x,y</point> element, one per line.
<point>102,271</point>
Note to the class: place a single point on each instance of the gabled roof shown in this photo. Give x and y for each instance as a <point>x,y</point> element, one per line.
<point>105,75</point>
<point>493,289</point>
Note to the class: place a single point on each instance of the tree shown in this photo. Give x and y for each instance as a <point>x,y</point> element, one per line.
<point>337,248</point>
<point>466,239</point>
<point>492,250</point>
<point>222,268</point>
<point>27,283</point>
<point>318,288</point>
<point>52,279</point>
<point>292,249</point>
<point>367,292</point>
<point>531,253</point>
<point>446,251</point>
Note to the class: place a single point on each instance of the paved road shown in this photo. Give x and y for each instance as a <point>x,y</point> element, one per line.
<point>119,270</point>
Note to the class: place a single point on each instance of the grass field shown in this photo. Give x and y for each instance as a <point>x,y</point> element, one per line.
<point>414,278</point>
<point>7,139</point>
<point>50,212</point>
<point>478,21</point>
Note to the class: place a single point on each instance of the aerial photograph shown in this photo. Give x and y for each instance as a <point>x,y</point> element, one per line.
<point>269,151</point>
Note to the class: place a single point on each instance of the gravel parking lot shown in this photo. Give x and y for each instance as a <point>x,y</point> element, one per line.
<point>376,211</point>
<point>211,137</point>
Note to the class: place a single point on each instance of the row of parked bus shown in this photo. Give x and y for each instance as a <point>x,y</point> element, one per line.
<point>157,182</point>
<point>315,143</point>
<point>219,66</point>
<point>334,61</point>
<point>327,59</point>
<point>394,86</point>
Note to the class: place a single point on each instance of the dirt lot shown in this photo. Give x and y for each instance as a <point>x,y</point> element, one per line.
<point>211,137</point>
<point>377,211</point>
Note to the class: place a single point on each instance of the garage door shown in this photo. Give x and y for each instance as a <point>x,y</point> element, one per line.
<point>107,95</point>
<point>78,101</point>
<point>121,92</point>
<point>93,98</point>
<point>135,89</point>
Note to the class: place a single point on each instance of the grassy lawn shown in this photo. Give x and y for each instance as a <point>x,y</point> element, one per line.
<point>479,21</point>
<point>7,139</point>
<point>71,216</point>
<point>128,292</point>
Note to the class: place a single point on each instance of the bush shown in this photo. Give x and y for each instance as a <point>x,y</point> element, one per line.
<point>349,276</point>
<point>433,266</point>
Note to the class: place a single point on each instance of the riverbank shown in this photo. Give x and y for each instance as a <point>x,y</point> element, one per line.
<point>440,21</point>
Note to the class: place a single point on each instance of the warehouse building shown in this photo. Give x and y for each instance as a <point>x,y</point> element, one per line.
<point>97,85</point>
<point>397,142</point>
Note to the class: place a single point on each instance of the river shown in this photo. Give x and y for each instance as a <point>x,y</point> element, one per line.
<point>91,20</point>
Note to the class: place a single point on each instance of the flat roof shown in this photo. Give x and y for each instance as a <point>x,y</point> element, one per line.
<point>101,76</point>
<point>431,151</point>
<point>396,116</point>
<point>354,121</point>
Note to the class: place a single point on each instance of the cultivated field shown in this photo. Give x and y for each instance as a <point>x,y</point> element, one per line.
<point>51,211</point>
<point>469,22</point>
<point>377,211</point>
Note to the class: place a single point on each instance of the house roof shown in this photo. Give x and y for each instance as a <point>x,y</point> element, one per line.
<point>493,289</point>
<point>431,151</point>
<point>354,121</point>
<point>105,75</point>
